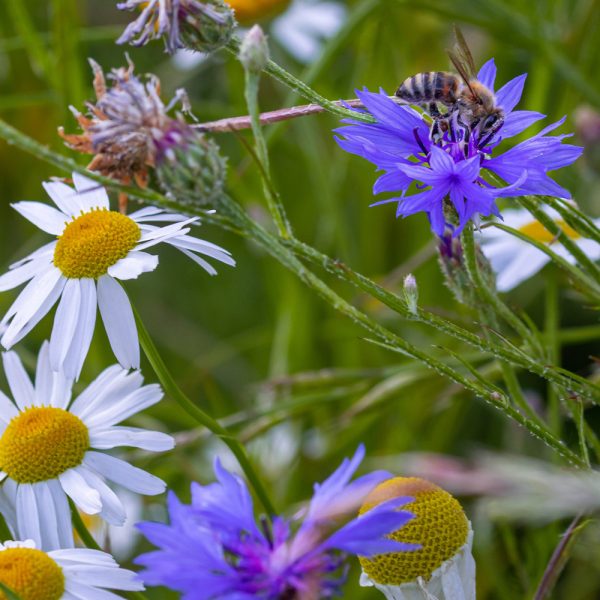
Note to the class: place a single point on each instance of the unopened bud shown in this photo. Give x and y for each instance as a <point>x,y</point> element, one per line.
<point>190,168</point>
<point>254,51</point>
<point>411,293</point>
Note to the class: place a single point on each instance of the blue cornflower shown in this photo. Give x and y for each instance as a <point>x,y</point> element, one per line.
<point>214,549</point>
<point>454,167</point>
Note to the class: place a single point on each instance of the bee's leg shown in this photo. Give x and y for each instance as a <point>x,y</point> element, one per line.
<point>491,132</point>
<point>437,128</point>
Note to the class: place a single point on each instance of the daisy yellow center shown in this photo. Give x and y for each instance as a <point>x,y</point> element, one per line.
<point>440,526</point>
<point>93,242</point>
<point>31,574</point>
<point>41,443</point>
<point>539,233</point>
<point>252,10</point>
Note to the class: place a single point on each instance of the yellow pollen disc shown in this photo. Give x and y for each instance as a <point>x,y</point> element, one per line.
<point>31,574</point>
<point>41,443</point>
<point>253,10</point>
<point>93,242</point>
<point>440,526</point>
<point>539,233</point>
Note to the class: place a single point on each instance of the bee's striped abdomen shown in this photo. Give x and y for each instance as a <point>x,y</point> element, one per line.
<point>435,86</point>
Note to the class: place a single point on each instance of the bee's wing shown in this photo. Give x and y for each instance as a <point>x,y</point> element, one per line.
<point>462,59</point>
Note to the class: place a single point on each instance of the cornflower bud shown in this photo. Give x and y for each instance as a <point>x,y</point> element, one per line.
<point>443,567</point>
<point>254,51</point>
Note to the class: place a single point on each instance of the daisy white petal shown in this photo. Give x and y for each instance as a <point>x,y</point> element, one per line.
<point>84,330</point>
<point>45,217</point>
<point>18,380</point>
<point>133,265</point>
<point>119,322</point>
<point>21,274</point>
<point>105,439</point>
<point>121,408</point>
<point>76,487</point>
<point>28,517</point>
<point>64,197</point>
<point>90,192</point>
<point>124,474</point>
<point>65,322</point>
<point>113,511</point>
<point>32,304</point>
<point>49,529</point>
<point>7,410</point>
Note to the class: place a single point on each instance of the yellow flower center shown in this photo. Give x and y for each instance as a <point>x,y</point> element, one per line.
<point>252,10</point>
<point>440,526</point>
<point>93,242</point>
<point>41,443</point>
<point>539,233</point>
<point>31,574</point>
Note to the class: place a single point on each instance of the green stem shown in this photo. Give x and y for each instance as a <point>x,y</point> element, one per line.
<point>507,353</point>
<point>551,326</point>
<point>298,86</point>
<point>273,200</point>
<point>82,531</point>
<point>488,296</point>
<point>390,339</point>
<point>201,417</point>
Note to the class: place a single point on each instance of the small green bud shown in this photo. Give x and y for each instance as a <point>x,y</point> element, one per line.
<point>254,51</point>
<point>190,167</point>
<point>411,293</point>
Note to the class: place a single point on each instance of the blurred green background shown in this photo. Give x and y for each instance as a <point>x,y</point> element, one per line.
<point>295,380</point>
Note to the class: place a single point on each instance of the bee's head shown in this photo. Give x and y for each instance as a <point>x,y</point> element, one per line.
<point>492,122</point>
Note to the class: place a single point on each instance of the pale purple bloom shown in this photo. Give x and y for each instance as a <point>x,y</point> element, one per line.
<point>214,549</point>
<point>456,168</point>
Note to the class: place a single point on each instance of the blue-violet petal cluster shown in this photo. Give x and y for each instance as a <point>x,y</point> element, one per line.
<point>451,170</point>
<point>215,548</point>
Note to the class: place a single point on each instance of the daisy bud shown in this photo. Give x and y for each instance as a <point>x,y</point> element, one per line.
<point>443,567</point>
<point>189,166</point>
<point>411,293</point>
<point>203,26</point>
<point>254,52</point>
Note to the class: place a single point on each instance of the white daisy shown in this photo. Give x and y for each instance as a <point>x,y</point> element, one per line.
<point>52,448</point>
<point>514,260</point>
<point>72,574</point>
<point>94,248</point>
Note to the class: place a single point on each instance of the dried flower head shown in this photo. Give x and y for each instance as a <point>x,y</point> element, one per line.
<point>202,26</point>
<point>128,130</point>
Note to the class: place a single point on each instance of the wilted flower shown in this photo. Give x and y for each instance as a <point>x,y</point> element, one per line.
<point>515,261</point>
<point>199,25</point>
<point>216,549</point>
<point>454,167</point>
<point>443,568</point>
<point>128,131</point>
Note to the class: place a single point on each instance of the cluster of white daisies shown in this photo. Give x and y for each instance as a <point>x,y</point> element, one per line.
<point>53,457</point>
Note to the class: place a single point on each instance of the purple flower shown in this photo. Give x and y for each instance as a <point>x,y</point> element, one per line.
<point>456,168</point>
<point>214,549</point>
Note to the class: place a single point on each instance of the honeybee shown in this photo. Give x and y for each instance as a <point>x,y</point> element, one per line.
<point>470,101</point>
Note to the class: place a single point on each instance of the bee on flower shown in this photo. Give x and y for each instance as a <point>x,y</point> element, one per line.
<point>455,173</point>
